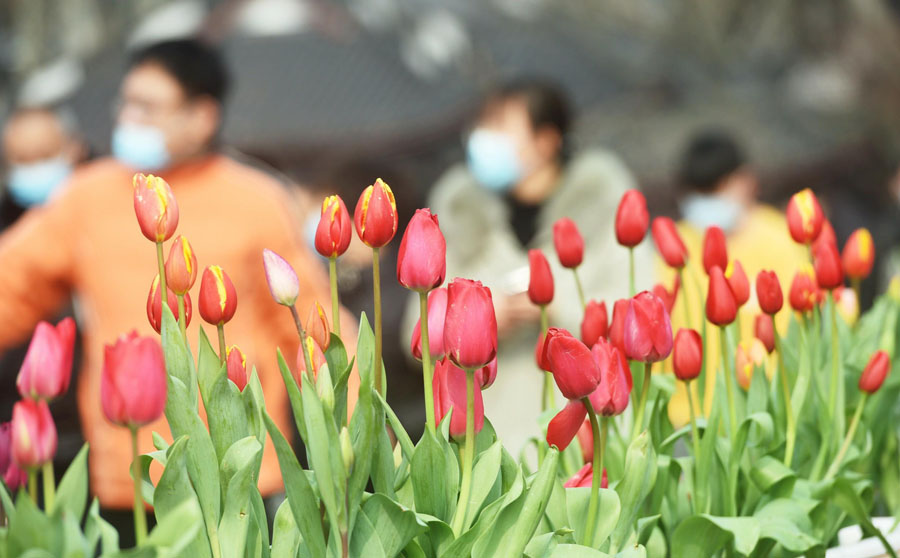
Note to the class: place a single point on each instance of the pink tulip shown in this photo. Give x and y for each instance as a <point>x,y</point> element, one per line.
<point>422,258</point>
<point>47,368</point>
<point>584,477</point>
<point>133,384</point>
<point>33,434</point>
<point>437,312</point>
<point>611,396</point>
<point>648,331</point>
<point>470,327</point>
<point>449,385</point>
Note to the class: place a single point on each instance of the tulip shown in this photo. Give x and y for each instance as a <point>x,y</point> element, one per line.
<point>715,251</point>
<point>334,230</point>
<point>749,355</point>
<point>687,356</point>
<point>154,305</point>
<point>33,434</point>
<point>218,299</point>
<point>875,372</point>
<point>668,242</point>
<point>542,363</point>
<point>422,259</point>
<point>847,304</point>
<point>826,235</point>
<point>617,327</point>
<point>236,366</point>
<point>827,262</point>
<point>583,478</point>
<point>768,292</point>
<point>721,307</point>
<point>803,293</point>
<point>155,207</point>
<point>573,367</point>
<point>450,392</point>
<point>804,217</point>
<point>764,330</point>
<point>470,327</point>
<point>859,254</point>
<point>317,357</point>
<point>648,331</point>
<point>133,383</point>
<point>667,297</point>
<point>565,425</point>
<point>12,475</point>
<point>540,285</point>
<point>568,243</point>
<point>317,326</point>
<point>485,376</point>
<point>376,215</point>
<point>437,311</point>
<point>611,396</point>
<point>595,323</point>
<point>181,266</point>
<point>280,276</point>
<point>738,282</point>
<point>586,441</point>
<point>47,367</point>
<point>632,219</point>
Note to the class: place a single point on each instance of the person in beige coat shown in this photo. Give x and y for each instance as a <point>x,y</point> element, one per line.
<point>519,179</point>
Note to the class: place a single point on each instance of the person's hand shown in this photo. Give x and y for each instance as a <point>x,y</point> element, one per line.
<point>513,311</point>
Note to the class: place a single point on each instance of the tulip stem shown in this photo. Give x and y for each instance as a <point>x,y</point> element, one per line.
<point>161,263</point>
<point>684,299</point>
<point>848,439</point>
<point>49,486</point>
<point>791,435</point>
<point>223,351</point>
<point>182,318</point>
<point>376,286</point>
<point>140,516</point>
<point>855,285</point>
<point>642,402</point>
<point>427,371</point>
<point>695,440</point>
<point>835,362</point>
<point>459,520</point>
<point>577,286</point>
<point>599,435</point>
<point>307,358</point>
<point>32,485</point>
<point>335,304</point>
<point>729,381</point>
<point>631,272</point>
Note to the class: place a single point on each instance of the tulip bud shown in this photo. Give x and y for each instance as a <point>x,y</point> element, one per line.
<point>47,368</point>
<point>422,259</point>
<point>33,434</point>
<point>154,305</point>
<point>346,449</point>
<point>574,369</point>
<point>13,476</point>
<point>721,308</point>
<point>617,327</point>
<point>376,215</point>
<point>595,323</point>
<point>859,254</point>
<point>585,477</point>
<point>667,297</point>
<point>768,292</point>
<point>715,251</point>
<point>334,230</point>
<point>749,355</point>
<point>668,242</point>
<point>826,236</point>
<point>568,243</point>
<point>565,425</point>
<point>611,396</point>
<point>847,304</point>
<point>648,331</point>
<point>181,267</point>
<point>738,282</point>
<point>687,358</point>
<point>875,372</point>
<point>804,217</point>
<point>437,312</point>
<point>236,364</point>
<point>281,277</point>
<point>317,326</point>
<point>542,364</point>
<point>133,384</point>
<point>540,285</point>
<point>485,376</point>
<point>470,327</point>
<point>803,292</point>
<point>155,207</point>
<point>632,219</point>
<point>827,261</point>
<point>586,441</point>
<point>764,330</point>
<point>449,385</point>
<point>316,355</point>
<point>218,299</point>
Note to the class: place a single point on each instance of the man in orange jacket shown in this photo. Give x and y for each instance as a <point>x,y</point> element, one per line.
<point>86,243</point>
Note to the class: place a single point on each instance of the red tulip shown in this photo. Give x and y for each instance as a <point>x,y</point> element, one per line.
<point>47,368</point>
<point>768,292</point>
<point>648,331</point>
<point>422,259</point>
<point>540,285</point>
<point>542,363</point>
<point>632,219</point>
<point>484,377</point>
<point>316,355</point>
<point>617,327</point>
<point>666,296</point>
<point>13,475</point>
<point>804,217</point>
<point>749,354</point>
<point>738,282</point>
<point>470,328</point>
<point>236,365</point>
<point>764,330</point>
<point>595,323</point>
<point>181,266</point>
<point>334,230</point>
<point>859,254</point>
<point>317,326</point>
<point>574,369</point>
<point>565,425</point>
<point>875,372</point>
<point>715,250</point>
<point>218,299</point>
<point>721,307</point>
<point>827,261</point>
<point>449,385</point>
<point>33,434</point>
<point>586,441</point>
<point>687,357</point>
<point>668,242</point>
<point>133,384</point>
<point>437,311</point>
<point>568,243</point>
<point>585,477</point>
<point>376,215</point>
<point>826,235</point>
<point>154,305</point>
<point>155,207</point>
<point>611,396</point>
<point>803,292</point>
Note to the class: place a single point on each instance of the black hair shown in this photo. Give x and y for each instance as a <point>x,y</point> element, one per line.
<point>195,65</point>
<point>711,156</point>
<point>547,105</point>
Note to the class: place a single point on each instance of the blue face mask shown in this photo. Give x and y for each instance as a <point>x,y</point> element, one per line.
<point>32,184</point>
<point>492,160</point>
<point>141,147</point>
<point>706,211</point>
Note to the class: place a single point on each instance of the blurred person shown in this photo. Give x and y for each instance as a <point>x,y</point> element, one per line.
<point>86,243</point>
<point>520,178</point>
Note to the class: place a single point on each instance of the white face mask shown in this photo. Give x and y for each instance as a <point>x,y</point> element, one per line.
<point>706,211</point>
<point>32,184</point>
<point>493,160</point>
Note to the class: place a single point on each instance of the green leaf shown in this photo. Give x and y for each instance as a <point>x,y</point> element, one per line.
<point>175,488</point>
<point>285,535</point>
<point>179,361</point>
<point>787,523</point>
<point>704,535</point>
<point>228,421</point>
<point>364,427</point>
<point>260,520</point>
<point>323,449</point>
<point>772,477</point>
<point>484,477</point>
<point>533,509</point>
<point>576,551</point>
<point>364,539</point>
<point>97,529</point>
<point>72,494</point>
<point>394,525</point>
<point>365,352</point>
<point>255,406</point>
<point>32,529</point>
<point>177,529</point>
<point>238,467</point>
<point>406,445</point>
<point>608,512</point>
<point>434,473</point>
<point>293,391</point>
<point>841,492</point>
<point>640,476</point>
<point>209,367</point>
<point>542,546</point>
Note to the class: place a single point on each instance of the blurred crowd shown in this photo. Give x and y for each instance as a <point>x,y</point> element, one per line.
<point>69,245</point>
